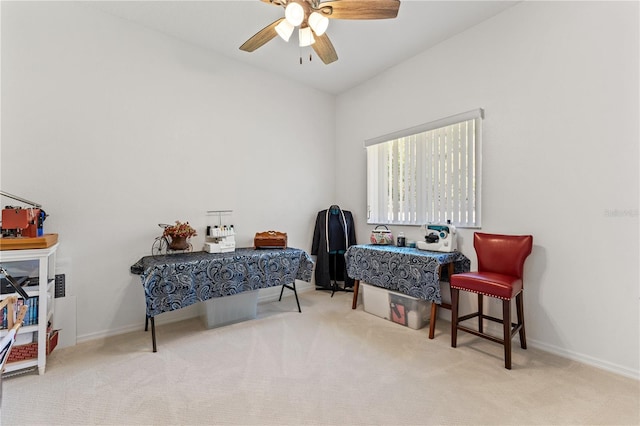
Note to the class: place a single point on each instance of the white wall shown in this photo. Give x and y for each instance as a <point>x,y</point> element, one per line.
<point>114,128</point>
<point>559,85</point>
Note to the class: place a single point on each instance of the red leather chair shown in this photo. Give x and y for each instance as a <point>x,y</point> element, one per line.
<point>500,266</point>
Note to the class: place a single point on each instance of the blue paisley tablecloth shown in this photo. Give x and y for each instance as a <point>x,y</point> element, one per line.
<point>176,281</point>
<point>407,270</point>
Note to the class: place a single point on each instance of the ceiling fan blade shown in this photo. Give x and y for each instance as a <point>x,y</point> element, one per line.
<point>359,9</point>
<point>261,37</point>
<point>275,2</point>
<point>324,49</point>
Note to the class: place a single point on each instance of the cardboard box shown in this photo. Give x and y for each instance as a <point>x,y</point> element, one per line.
<point>396,307</point>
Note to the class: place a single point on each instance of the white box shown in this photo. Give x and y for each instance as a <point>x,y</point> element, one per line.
<point>376,301</point>
<point>231,309</point>
<point>396,307</point>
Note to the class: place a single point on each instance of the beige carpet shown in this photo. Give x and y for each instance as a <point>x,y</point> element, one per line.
<point>329,365</point>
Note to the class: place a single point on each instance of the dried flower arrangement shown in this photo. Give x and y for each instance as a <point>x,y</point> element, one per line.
<point>179,230</point>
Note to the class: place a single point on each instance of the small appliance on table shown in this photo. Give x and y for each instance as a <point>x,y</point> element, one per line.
<point>220,236</point>
<point>439,237</point>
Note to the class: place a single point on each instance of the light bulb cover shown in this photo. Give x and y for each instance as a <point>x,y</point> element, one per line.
<point>318,23</point>
<point>306,37</point>
<point>294,13</point>
<point>284,30</point>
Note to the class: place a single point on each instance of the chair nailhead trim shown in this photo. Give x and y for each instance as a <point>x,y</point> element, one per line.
<point>479,292</point>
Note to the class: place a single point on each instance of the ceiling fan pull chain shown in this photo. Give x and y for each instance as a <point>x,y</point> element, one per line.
<point>310,57</point>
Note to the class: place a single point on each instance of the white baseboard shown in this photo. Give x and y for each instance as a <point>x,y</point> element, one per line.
<point>585,359</point>
<point>496,329</point>
<point>273,293</point>
<point>166,318</point>
<point>265,295</point>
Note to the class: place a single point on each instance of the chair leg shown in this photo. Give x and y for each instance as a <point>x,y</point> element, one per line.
<point>455,293</point>
<point>480,313</point>
<point>520,311</point>
<point>506,325</point>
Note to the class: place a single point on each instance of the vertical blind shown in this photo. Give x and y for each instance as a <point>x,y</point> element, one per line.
<point>427,174</point>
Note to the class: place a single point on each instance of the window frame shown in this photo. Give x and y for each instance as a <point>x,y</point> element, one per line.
<point>473,172</point>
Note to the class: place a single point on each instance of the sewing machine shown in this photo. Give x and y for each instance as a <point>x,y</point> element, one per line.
<point>439,238</point>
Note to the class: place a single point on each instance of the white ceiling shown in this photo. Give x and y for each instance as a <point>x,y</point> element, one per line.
<point>364,47</point>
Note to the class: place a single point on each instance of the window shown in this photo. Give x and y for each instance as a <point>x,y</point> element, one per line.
<point>428,173</point>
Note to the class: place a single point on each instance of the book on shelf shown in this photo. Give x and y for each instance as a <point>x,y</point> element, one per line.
<point>32,312</point>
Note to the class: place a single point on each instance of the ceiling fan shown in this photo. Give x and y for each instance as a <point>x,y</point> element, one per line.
<point>312,18</point>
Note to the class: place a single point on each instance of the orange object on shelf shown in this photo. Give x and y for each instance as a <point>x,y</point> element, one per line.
<point>24,243</point>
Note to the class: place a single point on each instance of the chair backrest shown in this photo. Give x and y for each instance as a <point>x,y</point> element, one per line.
<point>502,254</point>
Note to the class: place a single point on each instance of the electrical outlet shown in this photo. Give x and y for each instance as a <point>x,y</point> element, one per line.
<point>60,286</point>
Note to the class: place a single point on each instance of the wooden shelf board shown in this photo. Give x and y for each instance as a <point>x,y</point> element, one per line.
<point>19,243</point>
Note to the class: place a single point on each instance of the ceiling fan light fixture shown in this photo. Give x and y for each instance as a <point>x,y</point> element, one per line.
<point>310,16</point>
<point>306,37</point>
<point>318,23</point>
<point>284,30</point>
<point>294,13</point>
